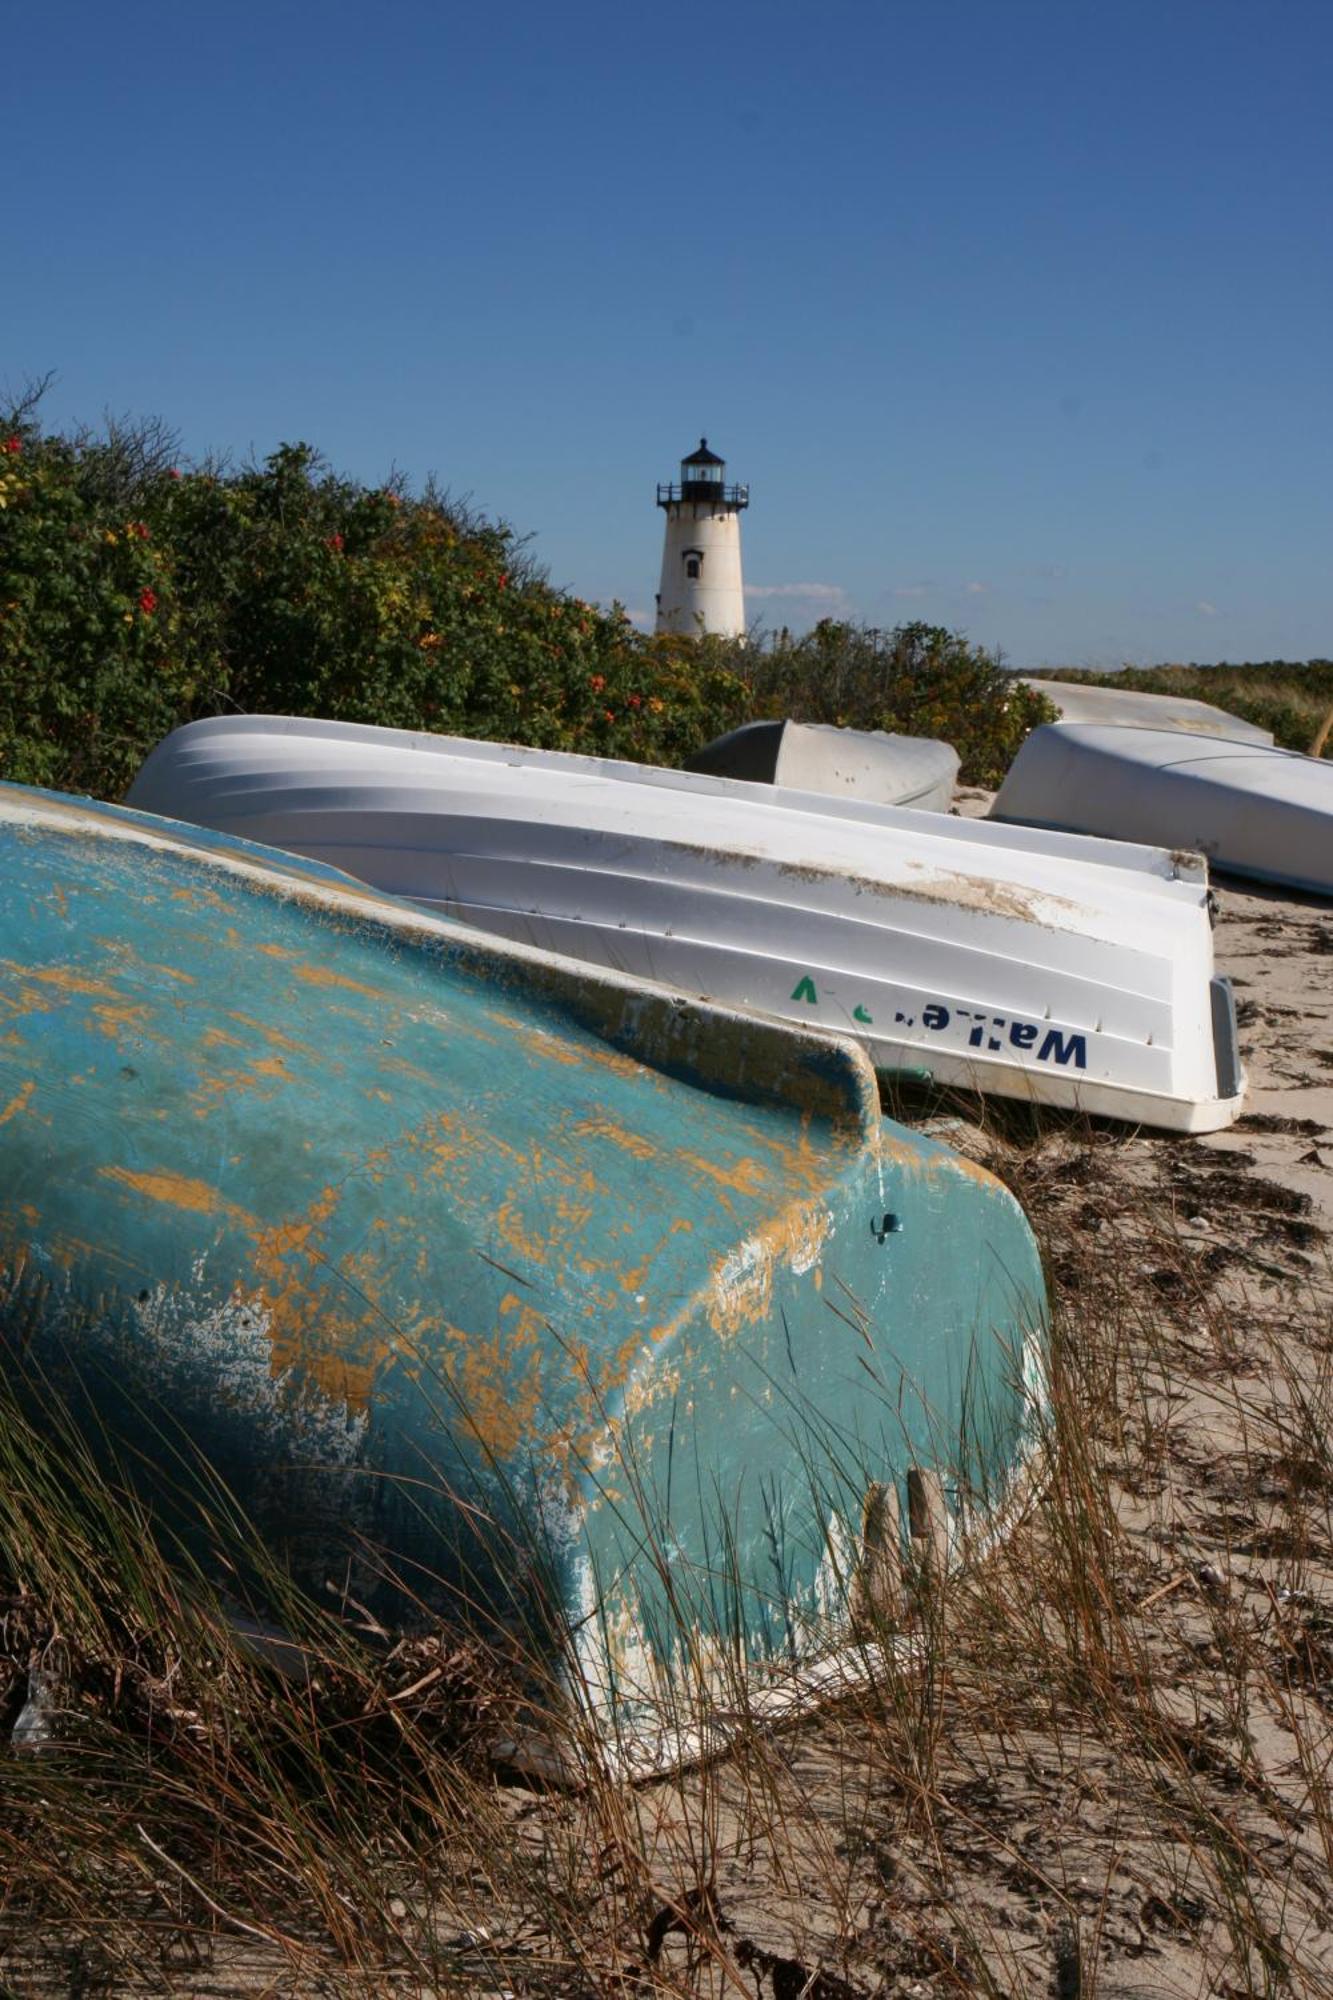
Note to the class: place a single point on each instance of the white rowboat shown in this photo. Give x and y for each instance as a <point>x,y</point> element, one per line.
<point>1132,706</point>
<point>1247,806</point>
<point>1036,965</point>
<point>872,764</point>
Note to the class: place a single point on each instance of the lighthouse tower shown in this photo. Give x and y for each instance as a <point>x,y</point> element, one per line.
<point>701,555</point>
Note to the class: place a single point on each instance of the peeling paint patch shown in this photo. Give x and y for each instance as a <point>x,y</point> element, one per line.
<point>218,1038</point>
<point>742,1287</point>
<point>634,1143</point>
<point>325,976</point>
<point>267,1032</point>
<point>178,1190</point>
<point>228,1348</point>
<point>18,1104</point>
<point>63,979</point>
<point>123,1019</point>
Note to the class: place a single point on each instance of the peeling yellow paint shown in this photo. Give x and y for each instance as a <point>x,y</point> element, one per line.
<point>19,1104</point>
<point>741,1289</point>
<point>340,1350</point>
<point>545,1046</point>
<point>274,1036</point>
<point>124,1018</point>
<point>633,1143</point>
<point>218,1038</point>
<point>513,1233</point>
<point>344,1380</point>
<point>396,1066</point>
<point>177,1190</point>
<point>502,1403</point>
<point>324,976</point>
<point>745,1177</point>
<point>198,895</point>
<point>527,1325</point>
<point>62,978</point>
<point>212,1091</point>
<point>275,1247</point>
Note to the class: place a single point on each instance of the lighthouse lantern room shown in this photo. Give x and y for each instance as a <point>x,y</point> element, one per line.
<point>701,589</point>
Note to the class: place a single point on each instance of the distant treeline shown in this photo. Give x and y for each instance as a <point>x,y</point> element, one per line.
<point>1293,698</point>
<point>138,592</point>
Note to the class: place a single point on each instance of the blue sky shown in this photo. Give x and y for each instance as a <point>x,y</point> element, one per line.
<point>1014,315</point>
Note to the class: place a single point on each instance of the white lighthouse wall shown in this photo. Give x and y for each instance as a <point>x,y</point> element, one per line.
<point>715,600</point>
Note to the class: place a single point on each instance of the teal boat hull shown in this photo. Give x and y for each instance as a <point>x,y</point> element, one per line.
<point>486,1285</point>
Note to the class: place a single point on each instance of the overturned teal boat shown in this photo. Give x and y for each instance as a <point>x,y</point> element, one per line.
<point>488,1285</point>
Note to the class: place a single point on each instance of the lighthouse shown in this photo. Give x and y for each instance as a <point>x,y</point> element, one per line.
<point>701,554</point>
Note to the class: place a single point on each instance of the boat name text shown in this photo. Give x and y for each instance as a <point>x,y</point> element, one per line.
<point>991,1032</point>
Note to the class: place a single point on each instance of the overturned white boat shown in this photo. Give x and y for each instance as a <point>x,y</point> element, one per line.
<point>1247,806</point>
<point>917,771</point>
<point>1077,702</point>
<point>1059,970</point>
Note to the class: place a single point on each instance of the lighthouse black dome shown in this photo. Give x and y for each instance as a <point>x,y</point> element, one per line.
<point>703,477</point>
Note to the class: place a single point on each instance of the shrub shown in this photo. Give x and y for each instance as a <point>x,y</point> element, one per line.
<point>91,662</point>
<point>920,680</point>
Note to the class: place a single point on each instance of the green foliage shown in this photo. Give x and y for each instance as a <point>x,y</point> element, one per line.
<point>91,665</point>
<point>919,680</point>
<point>1293,698</point>
<point>136,595</point>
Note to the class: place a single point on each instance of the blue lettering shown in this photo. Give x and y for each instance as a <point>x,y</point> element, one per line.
<point>1023,1034</point>
<point>1065,1049</point>
<point>935,1017</point>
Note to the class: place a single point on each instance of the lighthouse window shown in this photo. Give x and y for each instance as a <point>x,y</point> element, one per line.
<point>691,565</point>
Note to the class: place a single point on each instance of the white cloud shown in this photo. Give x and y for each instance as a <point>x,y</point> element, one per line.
<point>1205,609</point>
<point>976,589</point>
<point>817,593</point>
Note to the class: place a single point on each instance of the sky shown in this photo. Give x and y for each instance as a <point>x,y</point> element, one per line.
<point>1014,315</point>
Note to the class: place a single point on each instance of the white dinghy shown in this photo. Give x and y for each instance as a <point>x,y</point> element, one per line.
<point>1077,703</point>
<point>1247,806</point>
<point>917,771</point>
<point>1036,965</point>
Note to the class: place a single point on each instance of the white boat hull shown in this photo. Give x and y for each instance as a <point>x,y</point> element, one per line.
<point>869,764</point>
<point>1248,807</point>
<point>1061,971</point>
<point>1138,709</point>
